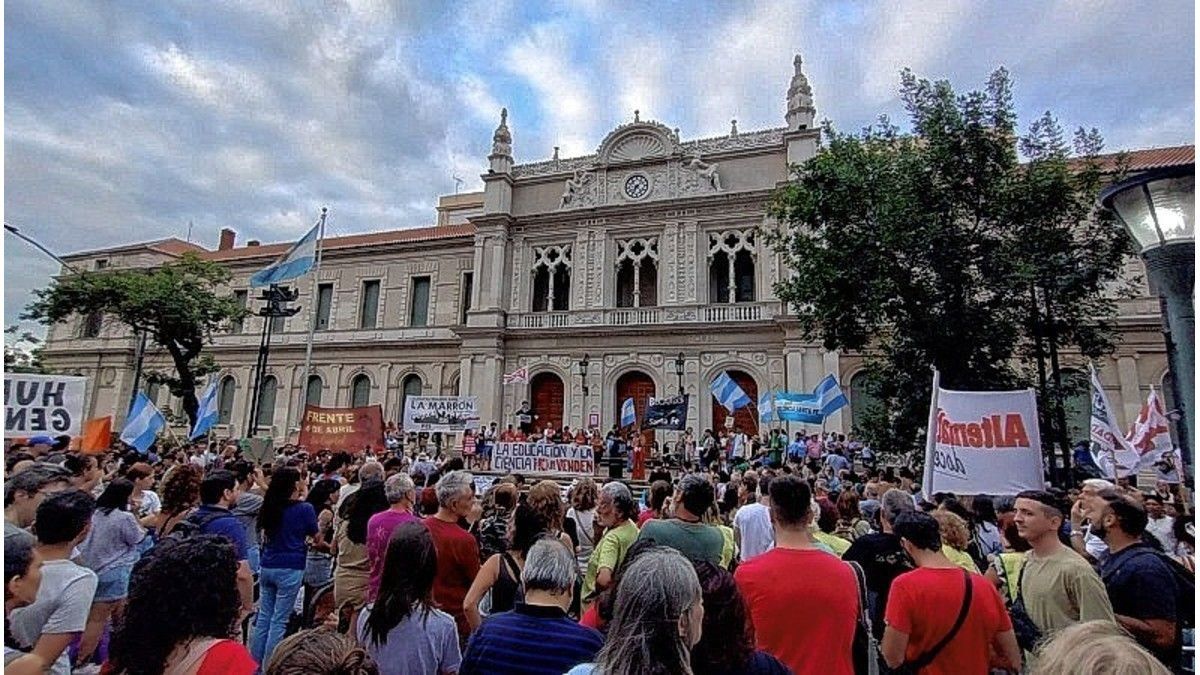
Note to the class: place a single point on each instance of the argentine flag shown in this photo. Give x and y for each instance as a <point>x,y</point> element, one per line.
<point>829,396</point>
<point>295,263</point>
<point>206,414</point>
<point>766,407</point>
<point>628,415</point>
<point>728,393</point>
<point>143,424</point>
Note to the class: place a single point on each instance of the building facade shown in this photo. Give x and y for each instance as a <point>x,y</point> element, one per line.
<point>635,271</point>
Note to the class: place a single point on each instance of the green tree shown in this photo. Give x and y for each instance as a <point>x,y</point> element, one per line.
<point>22,351</point>
<point>176,305</point>
<point>923,248</point>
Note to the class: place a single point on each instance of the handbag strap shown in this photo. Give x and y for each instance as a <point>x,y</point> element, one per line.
<point>928,657</point>
<point>860,579</point>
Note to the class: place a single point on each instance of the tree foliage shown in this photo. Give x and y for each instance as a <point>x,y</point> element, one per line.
<point>22,351</point>
<point>925,248</point>
<point>177,305</point>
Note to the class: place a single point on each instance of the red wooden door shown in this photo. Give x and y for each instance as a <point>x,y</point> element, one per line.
<point>546,397</point>
<point>638,386</point>
<point>745,418</point>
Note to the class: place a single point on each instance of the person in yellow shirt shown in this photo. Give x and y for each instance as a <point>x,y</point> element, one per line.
<point>617,512</point>
<point>954,539</point>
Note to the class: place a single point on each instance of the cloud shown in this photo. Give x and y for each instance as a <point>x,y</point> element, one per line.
<point>124,125</point>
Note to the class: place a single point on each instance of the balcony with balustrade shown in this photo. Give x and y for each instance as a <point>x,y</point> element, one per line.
<point>742,312</point>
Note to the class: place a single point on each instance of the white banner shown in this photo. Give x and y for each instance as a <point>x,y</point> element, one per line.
<point>447,414</point>
<point>43,405</point>
<point>543,458</point>
<point>1111,452</point>
<point>982,442</point>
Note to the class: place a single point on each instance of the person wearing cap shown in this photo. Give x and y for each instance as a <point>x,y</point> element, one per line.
<point>1058,586</point>
<point>25,490</point>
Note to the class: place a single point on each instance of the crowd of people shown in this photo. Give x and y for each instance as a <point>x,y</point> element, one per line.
<point>768,556</point>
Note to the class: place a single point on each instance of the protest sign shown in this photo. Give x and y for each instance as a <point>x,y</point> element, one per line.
<point>37,405</point>
<point>982,442</point>
<point>350,429</point>
<point>447,414</point>
<point>257,450</point>
<point>543,458</point>
<point>792,407</point>
<point>667,413</point>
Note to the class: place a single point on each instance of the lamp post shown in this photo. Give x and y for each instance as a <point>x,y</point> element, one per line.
<point>1158,209</point>
<point>277,298</point>
<point>679,370</point>
<point>582,367</point>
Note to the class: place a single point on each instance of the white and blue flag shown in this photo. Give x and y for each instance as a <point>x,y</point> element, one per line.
<point>728,393</point>
<point>143,424</point>
<point>628,415</point>
<point>206,414</point>
<point>299,259</point>
<point>830,396</point>
<point>766,406</point>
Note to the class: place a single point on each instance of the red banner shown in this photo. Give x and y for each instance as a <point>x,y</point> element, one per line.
<point>349,429</point>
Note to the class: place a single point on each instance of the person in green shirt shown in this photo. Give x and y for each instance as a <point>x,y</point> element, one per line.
<point>777,444</point>
<point>686,530</point>
<point>616,511</point>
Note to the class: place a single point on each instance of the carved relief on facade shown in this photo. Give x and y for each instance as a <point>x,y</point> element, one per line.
<point>518,265</point>
<point>698,176</point>
<point>580,190</point>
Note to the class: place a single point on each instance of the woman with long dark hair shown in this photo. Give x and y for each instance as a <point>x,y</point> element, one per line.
<point>111,548</point>
<point>286,521</point>
<point>318,565</point>
<point>402,630</point>
<point>182,614</point>
<point>726,645</point>
<point>22,578</point>
<point>353,572</point>
<point>501,573</point>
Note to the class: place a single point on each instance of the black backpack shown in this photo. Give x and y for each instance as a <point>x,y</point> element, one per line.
<point>1185,587</point>
<point>195,524</point>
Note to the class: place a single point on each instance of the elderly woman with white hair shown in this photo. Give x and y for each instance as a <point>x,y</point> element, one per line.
<point>657,619</point>
<point>536,637</point>
<point>401,495</point>
<point>617,512</point>
<point>457,551</point>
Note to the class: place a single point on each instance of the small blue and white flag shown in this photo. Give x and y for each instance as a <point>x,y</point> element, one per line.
<point>206,414</point>
<point>830,396</point>
<point>628,415</point>
<point>728,393</point>
<point>299,259</point>
<point>143,424</point>
<point>766,406</point>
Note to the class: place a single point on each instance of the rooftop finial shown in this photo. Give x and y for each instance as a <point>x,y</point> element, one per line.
<point>733,128</point>
<point>556,153</point>
<point>637,116</point>
<point>502,139</point>
<point>800,110</point>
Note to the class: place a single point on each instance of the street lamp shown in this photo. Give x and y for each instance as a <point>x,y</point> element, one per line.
<point>582,367</point>
<point>1158,209</point>
<point>679,370</point>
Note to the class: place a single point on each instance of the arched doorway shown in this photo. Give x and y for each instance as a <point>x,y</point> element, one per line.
<point>640,387</point>
<point>546,397</point>
<point>746,418</point>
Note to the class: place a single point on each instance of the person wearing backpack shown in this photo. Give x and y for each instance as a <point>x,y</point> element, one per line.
<point>219,491</point>
<point>1146,599</point>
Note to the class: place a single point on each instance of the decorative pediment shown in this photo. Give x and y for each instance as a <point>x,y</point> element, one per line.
<point>638,141</point>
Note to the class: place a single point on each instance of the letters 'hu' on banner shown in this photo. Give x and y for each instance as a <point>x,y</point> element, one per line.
<point>982,442</point>
<point>36,405</point>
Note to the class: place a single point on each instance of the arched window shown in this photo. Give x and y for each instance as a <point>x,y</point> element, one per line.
<point>153,390</point>
<point>360,391</point>
<point>410,387</point>
<point>225,399</point>
<point>862,400</point>
<point>731,257</point>
<point>266,402</point>
<point>551,278</point>
<point>637,272</point>
<point>313,390</point>
<point>1077,404</point>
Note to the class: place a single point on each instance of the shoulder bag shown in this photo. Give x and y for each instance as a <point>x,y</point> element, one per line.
<point>913,667</point>
<point>1027,632</point>
<point>866,647</point>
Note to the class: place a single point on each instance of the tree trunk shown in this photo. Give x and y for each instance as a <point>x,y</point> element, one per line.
<point>187,383</point>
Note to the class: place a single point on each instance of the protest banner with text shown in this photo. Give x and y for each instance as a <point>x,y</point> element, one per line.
<point>349,429</point>
<point>447,414</point>
<point>982,442</point>
<point>543,458</point>
<point>667,413</point>
<point>43,405</point>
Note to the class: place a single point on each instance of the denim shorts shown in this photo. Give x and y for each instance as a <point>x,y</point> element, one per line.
<point>113,584</point>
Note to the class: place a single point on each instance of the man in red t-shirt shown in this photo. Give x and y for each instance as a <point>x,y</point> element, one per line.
<point>778,585</point>
<point>925,603</point>
<point>457,551</point>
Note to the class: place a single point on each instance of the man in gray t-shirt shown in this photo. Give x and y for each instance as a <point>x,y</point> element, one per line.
<point>59,615</point>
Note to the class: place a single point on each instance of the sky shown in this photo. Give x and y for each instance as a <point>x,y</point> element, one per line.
<point>130,121</point>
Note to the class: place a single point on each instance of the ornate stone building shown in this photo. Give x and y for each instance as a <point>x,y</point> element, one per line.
<point>643,260</point>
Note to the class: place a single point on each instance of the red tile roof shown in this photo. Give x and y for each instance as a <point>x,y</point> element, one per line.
<point>1151,158</point>
<point>409,235</point>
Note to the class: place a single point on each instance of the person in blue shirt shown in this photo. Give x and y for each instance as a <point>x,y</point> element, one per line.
<point>285,520</point>
<point>797,448</point>
<point>219,491</point>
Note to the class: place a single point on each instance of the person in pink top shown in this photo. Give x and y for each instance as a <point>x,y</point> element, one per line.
<point>401,493</point>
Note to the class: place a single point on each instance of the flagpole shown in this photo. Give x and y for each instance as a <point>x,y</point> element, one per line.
<point>312,319</point>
